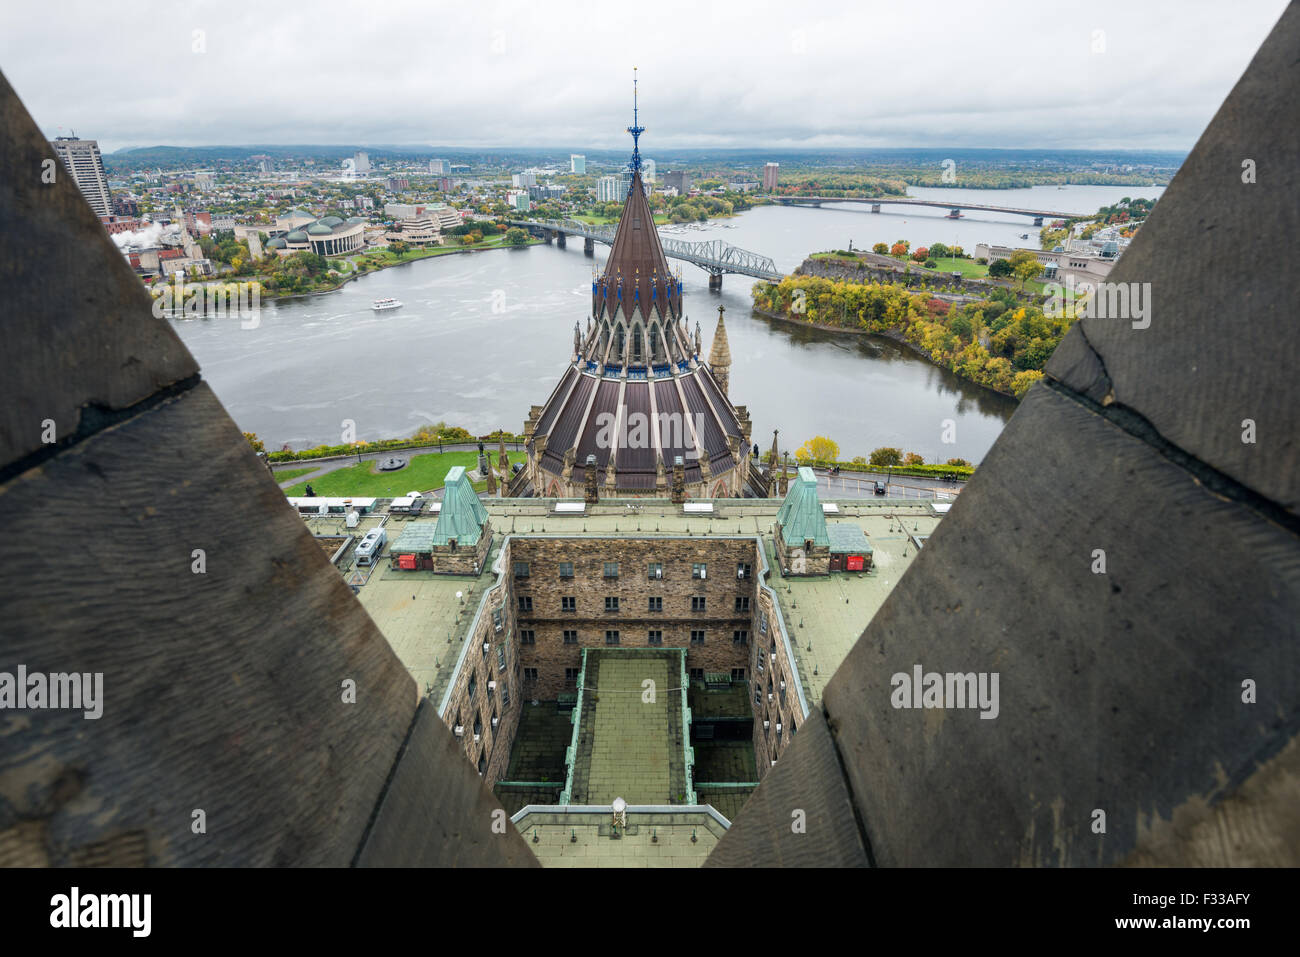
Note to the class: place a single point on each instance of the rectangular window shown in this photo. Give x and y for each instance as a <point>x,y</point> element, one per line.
<point>566,569</point>
<point>501,657</point>
<point>656,603</point>
<point>737,674</point>
<point>655,571</point>
<point>742,603</point>
<point>762,622</point>
<point>530,674</point>
<point>570,676</point>
<point>611,569</point>
<point>611,603</point>
<point>697,674</point>
<point>505,695</point>
<point>697,637</point>
<point>568,603</point>
<point>611,637</point>
<point>525,602</point>
<point>521,569</point>
<point>527,637</point>
<point>699,570</point>
<point>570,637</point>
<point>740,637</point>
<point>698,603</point>
<point>655,638</point>
<point>743,570</point>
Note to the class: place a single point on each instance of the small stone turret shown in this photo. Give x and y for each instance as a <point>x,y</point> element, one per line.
<point>720,354</point>
<point>679,480</point>
<point>593,490</point>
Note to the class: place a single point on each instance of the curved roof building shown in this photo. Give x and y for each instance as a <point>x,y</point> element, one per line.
<point>636,403</point>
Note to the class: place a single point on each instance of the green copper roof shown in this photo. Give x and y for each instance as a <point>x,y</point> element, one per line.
<point>463,515</point>
<point>848,538</point>
<point>801,514</point>
<point>416,539</point>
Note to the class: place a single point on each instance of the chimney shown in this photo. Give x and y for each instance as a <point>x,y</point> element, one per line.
<point>593,493</point>
<point>679,480</point>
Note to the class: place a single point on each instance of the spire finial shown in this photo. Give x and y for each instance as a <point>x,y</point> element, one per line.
<point>636,129</point>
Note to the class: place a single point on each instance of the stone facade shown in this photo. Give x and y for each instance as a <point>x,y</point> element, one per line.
<point>676,613</point>
<point>455,560</point>
<point>472,702</point>
<point>775,697</point>
<point>802,558</point>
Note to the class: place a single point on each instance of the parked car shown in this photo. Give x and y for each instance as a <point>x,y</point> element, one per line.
<point>880,488</point>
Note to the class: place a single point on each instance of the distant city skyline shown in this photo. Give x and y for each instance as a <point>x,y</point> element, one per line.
<point>1106,75</point>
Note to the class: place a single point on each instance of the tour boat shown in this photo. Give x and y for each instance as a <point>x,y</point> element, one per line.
<point>380,304</point>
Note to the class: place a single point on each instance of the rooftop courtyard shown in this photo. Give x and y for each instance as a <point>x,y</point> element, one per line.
<point>630,740</point>
<point>424,620</point>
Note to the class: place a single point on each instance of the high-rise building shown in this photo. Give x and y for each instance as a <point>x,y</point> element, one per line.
<point>523,180</point>
<point>769,175</point>
<point>648,170</point>
<point>361,162</point>
<point>82,159</point>
<point>679,180</point>
<point>439,167</point>
<point>578,164</point>
<point>610,190</point>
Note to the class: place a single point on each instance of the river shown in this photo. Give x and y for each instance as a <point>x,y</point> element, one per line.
<point>483,336</point>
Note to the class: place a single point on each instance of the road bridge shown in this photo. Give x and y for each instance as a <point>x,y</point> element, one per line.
<point>713,256</point>
<point>954,209</point>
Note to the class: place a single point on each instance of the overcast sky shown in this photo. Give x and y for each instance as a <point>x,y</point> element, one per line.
<point>819,74</point>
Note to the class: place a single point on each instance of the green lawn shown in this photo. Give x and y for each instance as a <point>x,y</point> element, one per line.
<point>660,220</point>
<point>969,268</point>
<point>423,473</point>
<point>388,257</point>
<point>285,474</point>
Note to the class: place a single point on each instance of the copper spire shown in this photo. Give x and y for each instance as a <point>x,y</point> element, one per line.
<point>637,273</point>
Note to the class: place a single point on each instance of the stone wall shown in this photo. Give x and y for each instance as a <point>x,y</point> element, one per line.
<point>769,667</point>
<point>461,560</point>
<point>720,588</point>
<point>480,667</point>
<point>802,558</point>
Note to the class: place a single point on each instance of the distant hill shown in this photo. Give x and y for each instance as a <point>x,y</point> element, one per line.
<point>172,157</point>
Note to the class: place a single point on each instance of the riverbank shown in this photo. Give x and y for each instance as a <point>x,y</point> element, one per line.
<point>377,266</point>
<point>893,335</point>
<point>997,341</point>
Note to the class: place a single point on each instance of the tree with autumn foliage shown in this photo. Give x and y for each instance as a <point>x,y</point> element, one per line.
<point>1024,265</point>
<point>818,449</point>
